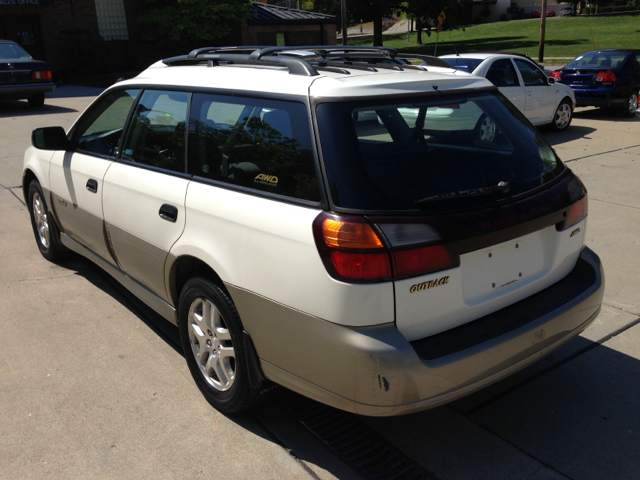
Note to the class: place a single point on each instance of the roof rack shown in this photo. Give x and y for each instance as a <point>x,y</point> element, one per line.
<point>303,60</point>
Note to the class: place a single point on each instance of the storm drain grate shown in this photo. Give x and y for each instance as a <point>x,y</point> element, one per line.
<point>366,452</point>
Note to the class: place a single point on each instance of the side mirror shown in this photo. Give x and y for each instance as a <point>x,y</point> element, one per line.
<point>50,138</point>
<point>551,80</point>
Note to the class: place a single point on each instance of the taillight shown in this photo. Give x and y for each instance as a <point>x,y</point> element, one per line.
<point>44,75</point>
<point>353,251</point>
<point>556,74</point>
<point>607,76</point>
<point>418,261</point>
<point>580,203</point>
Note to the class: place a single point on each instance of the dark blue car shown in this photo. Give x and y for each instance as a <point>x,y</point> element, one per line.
<point>23,77</point>
<point>604,78</point>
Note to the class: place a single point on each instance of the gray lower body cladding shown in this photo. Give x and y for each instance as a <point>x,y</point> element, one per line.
<point>376,371</point>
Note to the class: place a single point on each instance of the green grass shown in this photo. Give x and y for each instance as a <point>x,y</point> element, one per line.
<point>565,37</point>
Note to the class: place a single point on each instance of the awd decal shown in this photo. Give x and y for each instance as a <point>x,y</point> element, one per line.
<point>575,232</point>
<point>427,285</point>
<point>62,202</point>
<point>267,179</point>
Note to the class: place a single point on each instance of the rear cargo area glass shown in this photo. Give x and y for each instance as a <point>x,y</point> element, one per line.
<point>393,155</point>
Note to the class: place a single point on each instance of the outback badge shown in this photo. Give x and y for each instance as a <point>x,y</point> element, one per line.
<point>418,287</point>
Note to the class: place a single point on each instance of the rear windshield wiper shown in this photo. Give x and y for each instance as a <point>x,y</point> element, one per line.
<point>502,187</point>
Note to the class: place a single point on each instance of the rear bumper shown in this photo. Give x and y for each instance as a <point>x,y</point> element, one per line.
<point>601,97</point>
<point>25,90</point>
<point>376,371</point>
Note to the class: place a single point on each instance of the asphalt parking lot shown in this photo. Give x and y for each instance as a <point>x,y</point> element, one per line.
<point>92,385</point>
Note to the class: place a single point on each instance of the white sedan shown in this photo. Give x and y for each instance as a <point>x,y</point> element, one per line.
<point>524,83</point>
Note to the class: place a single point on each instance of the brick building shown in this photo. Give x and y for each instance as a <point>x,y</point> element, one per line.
<point>61,31</point>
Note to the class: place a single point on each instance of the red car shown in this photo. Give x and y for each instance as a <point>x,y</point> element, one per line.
<point>535,14</point>
<point>551,13</point>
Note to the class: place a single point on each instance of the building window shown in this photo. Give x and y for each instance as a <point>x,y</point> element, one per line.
<point>112,20</point>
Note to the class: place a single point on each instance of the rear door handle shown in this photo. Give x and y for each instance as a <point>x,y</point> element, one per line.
<point>168,212</point>
<point>92,185</point>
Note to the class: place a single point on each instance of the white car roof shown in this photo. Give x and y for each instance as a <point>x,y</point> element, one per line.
<point>278,80</point>
<point>482,56</point>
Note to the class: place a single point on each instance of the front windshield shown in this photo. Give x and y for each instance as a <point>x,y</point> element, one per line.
<point>13,51</point>
<point>606,59</point>
<point>391,156</point>
<point>464,64</point>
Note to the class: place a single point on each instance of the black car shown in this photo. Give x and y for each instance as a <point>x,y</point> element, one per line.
<point>23,77</point>
<point>604,78</point>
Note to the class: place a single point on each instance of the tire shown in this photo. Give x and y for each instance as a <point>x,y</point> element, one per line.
<point>36,101</point>
<point>630,105</point>
<point>209,319</point>
<point>44,226</point>
<point>563,116</point>
<point>485,129</point>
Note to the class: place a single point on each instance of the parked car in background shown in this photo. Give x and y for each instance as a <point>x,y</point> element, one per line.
<point>604,78</point>
<point>303,222</point>
<point>551,13</point>
<point>535,14</point>
<point>524,83</point>
<point>566,12</point>
<point>22,77</point>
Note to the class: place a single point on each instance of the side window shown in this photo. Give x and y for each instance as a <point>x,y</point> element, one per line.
<point>261,144</point>
<point>635,64</point>
<point>156,135</point>
<point>531,75</point>
<point>100,130</point>
<point>503,74</point>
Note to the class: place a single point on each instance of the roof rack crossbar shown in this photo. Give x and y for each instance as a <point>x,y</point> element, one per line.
<point>323,50</point>
<point>342,65</point>
<point>296,66</point>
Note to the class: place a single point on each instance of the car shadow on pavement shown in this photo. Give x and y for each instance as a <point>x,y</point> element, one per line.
<point>603,114</point>
<point>21,108</point>
<point>574,132</point>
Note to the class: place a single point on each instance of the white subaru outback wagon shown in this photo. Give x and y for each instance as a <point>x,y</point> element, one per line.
<point>345,229</point>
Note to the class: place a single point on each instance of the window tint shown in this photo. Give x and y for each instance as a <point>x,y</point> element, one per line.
<point>99,131</point>
<point>635,64</point>
<point>503,74</point>
<point>262,144</point>
<point>156,135</point>
<point>390,155</point>
<point>598,60</point>
<point>531,75</point>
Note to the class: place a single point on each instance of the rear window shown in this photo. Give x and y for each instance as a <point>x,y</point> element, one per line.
<point>598,60</point>
<point>13,51</point>
<point>398,156</point>
<point>464,64</point>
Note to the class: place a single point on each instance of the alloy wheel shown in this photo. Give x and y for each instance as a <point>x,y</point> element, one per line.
<point>211,344</point>
<point>633,102</point>
<point>563,116</point>
<point>41,220</point>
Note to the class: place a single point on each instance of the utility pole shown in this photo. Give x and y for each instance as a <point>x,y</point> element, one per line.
<point>344,21</point>
<point>543,24</point>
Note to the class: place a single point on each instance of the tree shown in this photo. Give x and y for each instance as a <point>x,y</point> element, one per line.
<point>192,20</point>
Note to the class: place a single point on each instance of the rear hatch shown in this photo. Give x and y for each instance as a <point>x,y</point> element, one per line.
<point>470,204</point>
